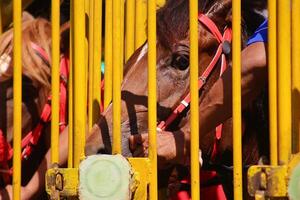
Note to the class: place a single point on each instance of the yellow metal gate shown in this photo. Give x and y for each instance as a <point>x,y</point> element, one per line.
<point>121,40</point>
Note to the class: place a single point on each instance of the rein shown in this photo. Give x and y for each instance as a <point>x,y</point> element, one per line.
<point>32,138</point>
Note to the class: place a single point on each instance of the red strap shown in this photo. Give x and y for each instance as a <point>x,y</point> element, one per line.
<point>64,73</point>
<point>183,195</point>
<point>4,149</point>
<point>202,79</point>
<point>32,138</point>
<point>219,129</point>
<point>186,101</point>
<point>227,35</point>
<point>102,96</point>
<point>41,53</point>
<point>211,26</point>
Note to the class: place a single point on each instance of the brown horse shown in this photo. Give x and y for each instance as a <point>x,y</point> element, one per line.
<point>173,84</point>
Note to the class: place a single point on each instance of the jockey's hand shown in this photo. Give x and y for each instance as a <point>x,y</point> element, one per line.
<point>171,148</point>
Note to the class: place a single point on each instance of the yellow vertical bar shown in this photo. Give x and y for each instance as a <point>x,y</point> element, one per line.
<point>97,59</point>
<point>70,91</point>
<point>272,33</point>
<point>122,8</point>
<point>296,70</point>
<point>91,63</point>
<point>87,52</point>
<point>117,76</point>
<point>79,81</point>
<point>140,18</point>
<point>195,179</point>
<point>108,54</point>
<point>130,18</point>
<point>284,80</point>
<point>152,97</point>
<point>17,101</point>
<point>236,100</point>
<point>55,81</point>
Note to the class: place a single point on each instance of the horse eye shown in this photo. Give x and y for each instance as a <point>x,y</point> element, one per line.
<point>180,62</point>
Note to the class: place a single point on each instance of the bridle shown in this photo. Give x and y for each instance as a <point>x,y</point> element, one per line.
<point>224,41</point>
<point>224,48</point>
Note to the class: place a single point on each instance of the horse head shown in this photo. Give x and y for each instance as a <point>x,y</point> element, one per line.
<point>172,72</point>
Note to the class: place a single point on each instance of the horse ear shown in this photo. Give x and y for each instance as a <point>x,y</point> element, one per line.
<point>221,10</point>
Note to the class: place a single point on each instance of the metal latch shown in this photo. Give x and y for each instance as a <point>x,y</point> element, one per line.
<point>268,181</point>
<point>62,182</point>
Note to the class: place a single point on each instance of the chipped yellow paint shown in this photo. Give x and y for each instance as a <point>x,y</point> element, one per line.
<point>271,180</point>
<point>62,182</point>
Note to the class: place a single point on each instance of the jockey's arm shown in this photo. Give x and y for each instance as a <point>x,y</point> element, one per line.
<point>216,106</point>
